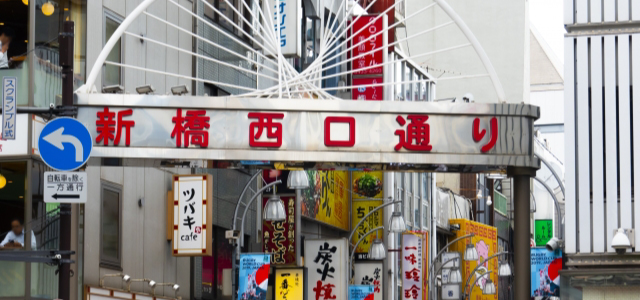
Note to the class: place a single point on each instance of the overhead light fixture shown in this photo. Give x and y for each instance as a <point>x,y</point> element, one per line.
<point>470,253</point>
<point>145,89</point>
<point>113,89</point>
<point>455,277</point>
<point>175,287</point>
<point>152,283</point>
<point>479,194</point>
<point>48,9</point>
<point>180,90</point>
<point>3,181</point>
<point>489,202</point>
<point>126,278</point>
<point>396,223</point>
<point>504,270</point>
<point>26,2</point>
<point>274,209</point>
<point>623,239</point>
<point>554,243</point>
<point>489,288</point>
<point>495,176</point>
<point>377,251</point>
<point>298,180</point>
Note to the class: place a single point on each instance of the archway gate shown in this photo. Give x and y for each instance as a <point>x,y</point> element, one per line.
<point>324,134</point>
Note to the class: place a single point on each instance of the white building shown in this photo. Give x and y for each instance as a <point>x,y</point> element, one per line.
<point>602,149</point>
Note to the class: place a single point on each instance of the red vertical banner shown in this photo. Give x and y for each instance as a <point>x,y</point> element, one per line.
<point>368,88</point>
<point>279,237</point>
<point>366,37</point>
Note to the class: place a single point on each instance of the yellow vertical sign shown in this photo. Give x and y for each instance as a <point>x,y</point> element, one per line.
<point>359,209</point>
<point>486,243</point>
<point>333,198</point>
<point>289,284</point>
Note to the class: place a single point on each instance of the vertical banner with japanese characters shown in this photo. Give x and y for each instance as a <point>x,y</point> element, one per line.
<point>543,232</point>
<point>253,276</point>
<point>486,243</point>
<point>290,284</point>
<point>366,39</point>
<point>286,16</point>
<point>9,107</point>
<point>192,221</point>
<point>360,292</point>
<point>370,273</point>
<point>359,209</point>
<point>326,262</point>
<point>413,264</point>
<point>279,236</point>
<point>327,198</point>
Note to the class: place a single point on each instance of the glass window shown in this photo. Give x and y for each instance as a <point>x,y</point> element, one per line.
<point>12,214</point>
<point>112,75</point>
<point>110,248</point>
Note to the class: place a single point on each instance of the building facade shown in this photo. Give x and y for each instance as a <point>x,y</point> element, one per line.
<point>601,149</point>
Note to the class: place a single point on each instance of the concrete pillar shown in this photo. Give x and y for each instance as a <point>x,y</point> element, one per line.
<point>389,265</point>
<point>522,231</point>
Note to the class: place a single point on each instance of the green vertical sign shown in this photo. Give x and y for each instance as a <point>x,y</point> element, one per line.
<point>543,232</point>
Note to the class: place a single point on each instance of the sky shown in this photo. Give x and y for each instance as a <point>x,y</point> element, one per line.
<point>547,17</point>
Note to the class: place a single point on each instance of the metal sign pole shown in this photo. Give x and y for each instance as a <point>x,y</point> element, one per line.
<point>66,62</point>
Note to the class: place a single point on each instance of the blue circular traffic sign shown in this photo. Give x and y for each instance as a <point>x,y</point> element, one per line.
<point>65,144</point>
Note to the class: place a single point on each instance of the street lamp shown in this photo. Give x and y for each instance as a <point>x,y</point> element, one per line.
<point>455,277</point>
<point>489,288</point>
<point>298,180</point>
<point>470,254</point>
<point>377,251</point>
<point>396,223</point>
<point>274,209</point>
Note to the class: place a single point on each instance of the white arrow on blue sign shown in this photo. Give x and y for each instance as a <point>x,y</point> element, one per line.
<point>65,144</point>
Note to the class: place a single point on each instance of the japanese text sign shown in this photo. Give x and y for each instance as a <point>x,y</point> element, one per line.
<point>20,145</point>
<point>370,273</point>
<point>413,266</point>
<point>192,221</point>
<point>361,292</point>
<point>286,17</point>
<point>368,88</point>
<point>359,209</point>
<point>368,42</point>
<point>327,198</point>
<point>253,276</point>
<point>543,232</point>
<point>325,261</point>
<point>279,236</point>
<point>9,107</point>
<point>290,284</point>
<point>545,279</point>
<point>382,132</point>
<point>486,243</point>
<point>65,187</point>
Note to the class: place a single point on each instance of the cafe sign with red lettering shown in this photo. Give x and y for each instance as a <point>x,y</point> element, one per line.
<point>420,135</point>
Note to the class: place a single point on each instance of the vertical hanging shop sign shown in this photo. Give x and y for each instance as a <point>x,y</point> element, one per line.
<point>359,209</point>
<point>368,88</point>
<point>370,273</point>
<point>286,17</point>
<point>486,243</point>
<point>360,292</point>
<point>9,108</point>
<point>192,219</point>
<point>413,263</point>
<point>279,236</point>
<point>545,279</point>
<point>365,41</point>
<point>326,261</point>
<point>290,284</point>
<point>253,276</point>
<point>543,232</point>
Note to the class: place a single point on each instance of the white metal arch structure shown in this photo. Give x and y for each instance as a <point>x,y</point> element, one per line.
<point>290,83</point>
